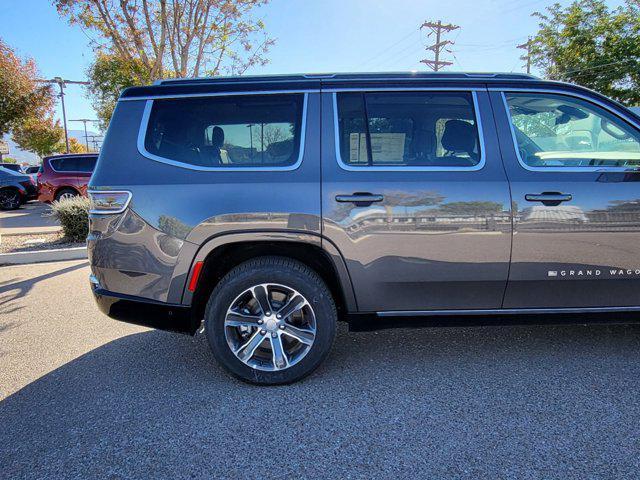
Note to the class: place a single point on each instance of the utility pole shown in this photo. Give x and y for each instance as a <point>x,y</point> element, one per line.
<point>95,139</point>
<point>438,28</point>
<point>62,83</point>
<point>527,46</point>
<point>84,122</point>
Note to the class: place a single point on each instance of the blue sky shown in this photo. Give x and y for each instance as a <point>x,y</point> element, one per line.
<point>312,36</point>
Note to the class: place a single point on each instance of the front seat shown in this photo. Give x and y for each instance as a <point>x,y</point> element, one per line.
<point>213,151</point>
<point>460,137</point>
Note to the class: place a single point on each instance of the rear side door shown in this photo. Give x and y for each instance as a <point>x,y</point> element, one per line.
<point>415,197</point>
<point>85,167</point>
<point>571,160</point>
<point>65,172</point>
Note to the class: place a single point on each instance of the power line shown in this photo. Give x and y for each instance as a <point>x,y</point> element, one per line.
<point>62,83</point>
<point>599,66</point>
<point>389,48</point>
<point>397,57</point>
<point>527,46</point>
<point>84,122</point>
<point>438,28</point>
<point>521,6</point>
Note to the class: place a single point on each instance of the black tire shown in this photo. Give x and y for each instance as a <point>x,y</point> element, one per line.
<point>10,199</point>
<point>277,270</point>
<point>65,192</point>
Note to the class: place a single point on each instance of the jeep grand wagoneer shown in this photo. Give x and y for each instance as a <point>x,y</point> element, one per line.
<point>264,209</point>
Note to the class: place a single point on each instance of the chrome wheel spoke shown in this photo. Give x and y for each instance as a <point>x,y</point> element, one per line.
<point>295,304</point>
<point>301,334</point>
<point>280,359</point>
<point>246,351</point>
<point>262,297</point>
<point>251,320</point>
<point>235,319</point>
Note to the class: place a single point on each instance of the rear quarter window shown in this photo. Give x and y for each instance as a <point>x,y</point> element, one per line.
<point>63,164</point>
<point>227,131</point>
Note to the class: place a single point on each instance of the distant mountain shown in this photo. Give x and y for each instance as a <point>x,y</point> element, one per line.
<point>31,158</point>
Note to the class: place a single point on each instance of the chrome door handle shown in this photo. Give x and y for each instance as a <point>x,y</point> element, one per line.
<point>360,199</point>
<point>548,198</point>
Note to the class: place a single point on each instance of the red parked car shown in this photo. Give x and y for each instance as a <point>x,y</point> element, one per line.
<point>65,176</point>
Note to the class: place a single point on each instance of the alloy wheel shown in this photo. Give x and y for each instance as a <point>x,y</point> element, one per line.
<point>9,199</point>
<point>270,327</point>
<point>66,196</point>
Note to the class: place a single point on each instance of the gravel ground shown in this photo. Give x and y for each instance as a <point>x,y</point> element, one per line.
<point>36,241</point>
<point>87,397</point>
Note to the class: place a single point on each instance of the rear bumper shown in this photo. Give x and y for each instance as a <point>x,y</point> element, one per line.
<point>144,312</point>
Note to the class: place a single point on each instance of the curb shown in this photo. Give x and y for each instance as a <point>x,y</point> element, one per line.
<point>8,232</point>
<point>38,256</point>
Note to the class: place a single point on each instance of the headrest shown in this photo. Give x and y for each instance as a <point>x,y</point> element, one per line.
<point>459,136</point>
<point>217,137</point>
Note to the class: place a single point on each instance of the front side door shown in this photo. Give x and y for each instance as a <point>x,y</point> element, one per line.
<point>415,198</point>
<point>570,160</point>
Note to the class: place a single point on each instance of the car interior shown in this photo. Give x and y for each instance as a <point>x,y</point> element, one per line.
<point>227,131</point>
<point>430,129</point>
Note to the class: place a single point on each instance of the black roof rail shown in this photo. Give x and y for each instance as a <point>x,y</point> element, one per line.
<point>346,76</point>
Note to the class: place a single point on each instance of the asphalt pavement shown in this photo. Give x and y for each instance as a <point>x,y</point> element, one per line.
<point>83,396</point>
<point>32,217</point>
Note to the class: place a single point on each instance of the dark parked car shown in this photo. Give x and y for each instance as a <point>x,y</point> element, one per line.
<point>264,209</point>
<point>14,167</point>
<point>65,176</point>
<point>32,171</point>
<point>15,189</point>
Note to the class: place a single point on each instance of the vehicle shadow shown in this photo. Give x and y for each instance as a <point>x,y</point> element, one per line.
<point>389,404</point>
<point>16,288</point>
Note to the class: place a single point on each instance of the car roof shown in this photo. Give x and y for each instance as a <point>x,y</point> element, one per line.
<point>329,77</point>
<point>306,82</point>
<point>67,155</point>
<point>328,82</point>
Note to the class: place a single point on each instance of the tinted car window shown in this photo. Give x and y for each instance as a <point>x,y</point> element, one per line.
<point>86,164</point>
<point>434,129</point>
<point>227,131</point>
<point>64,164</point>
<point>561,131</point>
<point>12,166</point>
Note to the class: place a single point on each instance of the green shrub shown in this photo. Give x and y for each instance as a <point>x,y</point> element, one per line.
<point>73,215</point>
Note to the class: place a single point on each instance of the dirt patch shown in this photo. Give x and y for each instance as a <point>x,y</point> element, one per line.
<point>35,241</point>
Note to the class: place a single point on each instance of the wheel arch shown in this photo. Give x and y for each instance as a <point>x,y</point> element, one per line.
<point>221,254</point>
<point>65,187</point>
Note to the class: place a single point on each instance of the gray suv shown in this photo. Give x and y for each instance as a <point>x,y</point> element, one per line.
<point>265,209</point>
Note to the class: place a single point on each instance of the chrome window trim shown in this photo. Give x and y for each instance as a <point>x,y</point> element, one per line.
<point>556,169</point>
<point>143,151</point>
<point>387,168</point>
<point>403,89</point>
<point>226,93</point>
<point>110,212</point>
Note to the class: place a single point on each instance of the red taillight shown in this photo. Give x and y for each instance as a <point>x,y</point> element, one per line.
<point>194,276</point>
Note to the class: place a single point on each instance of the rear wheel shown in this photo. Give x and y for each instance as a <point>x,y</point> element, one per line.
<point>10,199</point>
<point>270,321</point>
<point>66,193</point>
